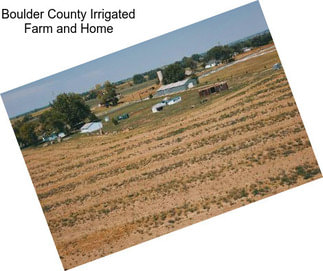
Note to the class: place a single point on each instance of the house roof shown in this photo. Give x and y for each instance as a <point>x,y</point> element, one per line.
<point>86,126</point>
<point>172,85</point>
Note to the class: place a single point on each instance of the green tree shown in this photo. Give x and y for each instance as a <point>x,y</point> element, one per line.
<point>138,79</point>
<point>71,108</point>
<point>223,53</point>
<point>27,134</point>
<point>98,87</point>
<point>27,117</point>
<point>93,93</point>
<point>173,73</point>
<point>152,75</point>
<point>109,95</point>
<point>115,121</point>
<point>196,57</point>
<point>25,130</point>
<point>16,128</point>
<point>52,121</point>
<point>188,62</point>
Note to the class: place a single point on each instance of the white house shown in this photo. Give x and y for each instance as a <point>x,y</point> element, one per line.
<point>91,127</point>
<point>212,63</point>
<point>61,135</point>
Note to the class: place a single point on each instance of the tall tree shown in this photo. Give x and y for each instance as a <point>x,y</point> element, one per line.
<point>109,95</point>
<point>152,75</point>
<point>223,53</point>
<point>52,121</point>
<point>196,57</point>
<point>72,108</point>
<point>138,79</point>
<point>188,62</point>
<point>173,73</point>
<point>27,134</point>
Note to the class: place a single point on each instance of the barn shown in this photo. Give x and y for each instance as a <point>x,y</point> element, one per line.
<point>212,88</point>
<point>91,127</point>
<point>176,87</point>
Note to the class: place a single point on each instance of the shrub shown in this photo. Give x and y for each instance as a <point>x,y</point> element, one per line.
<point>115,121</point>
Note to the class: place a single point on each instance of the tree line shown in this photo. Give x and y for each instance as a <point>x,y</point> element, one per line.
<point>69,110</point>
<point>223,53</point>
<point>66,113</point>
<point>176,71</point>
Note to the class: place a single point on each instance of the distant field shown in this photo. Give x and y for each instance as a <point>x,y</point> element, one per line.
<point>128,89</point>
<point>155,173</point>
<point>33,114</point>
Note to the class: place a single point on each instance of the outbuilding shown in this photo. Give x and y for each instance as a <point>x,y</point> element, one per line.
<point>50,138</point>
<point>61,135</point>
<point>91,127</point>
<point>176,87</point>
<point>212,88</point>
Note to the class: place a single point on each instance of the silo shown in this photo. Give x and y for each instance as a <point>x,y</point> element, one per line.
<point>160,76</point>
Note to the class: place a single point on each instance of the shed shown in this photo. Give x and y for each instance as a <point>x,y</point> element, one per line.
<point>212,88</point>
<point>50,138</point>
<point>176,87</point>
<point>91,127</point>
<point>61,135</point>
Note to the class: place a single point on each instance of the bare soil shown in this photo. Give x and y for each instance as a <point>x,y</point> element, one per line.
<point>101,194</point>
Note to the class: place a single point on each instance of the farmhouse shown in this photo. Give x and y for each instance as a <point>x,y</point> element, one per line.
<point>212,88</point>
<point>91,127</point>
<point>176,87</point>
<point>212,63</point>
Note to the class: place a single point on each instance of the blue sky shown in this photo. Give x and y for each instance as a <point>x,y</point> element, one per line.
<point>196,38</point>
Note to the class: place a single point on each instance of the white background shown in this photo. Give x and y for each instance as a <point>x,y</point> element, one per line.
<point>283,232</point>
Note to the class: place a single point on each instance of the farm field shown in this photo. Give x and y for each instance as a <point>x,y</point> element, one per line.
<point>156,173</point>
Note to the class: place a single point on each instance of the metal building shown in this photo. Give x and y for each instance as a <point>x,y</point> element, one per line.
<point>91,127</point>
<point>176,87</point>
